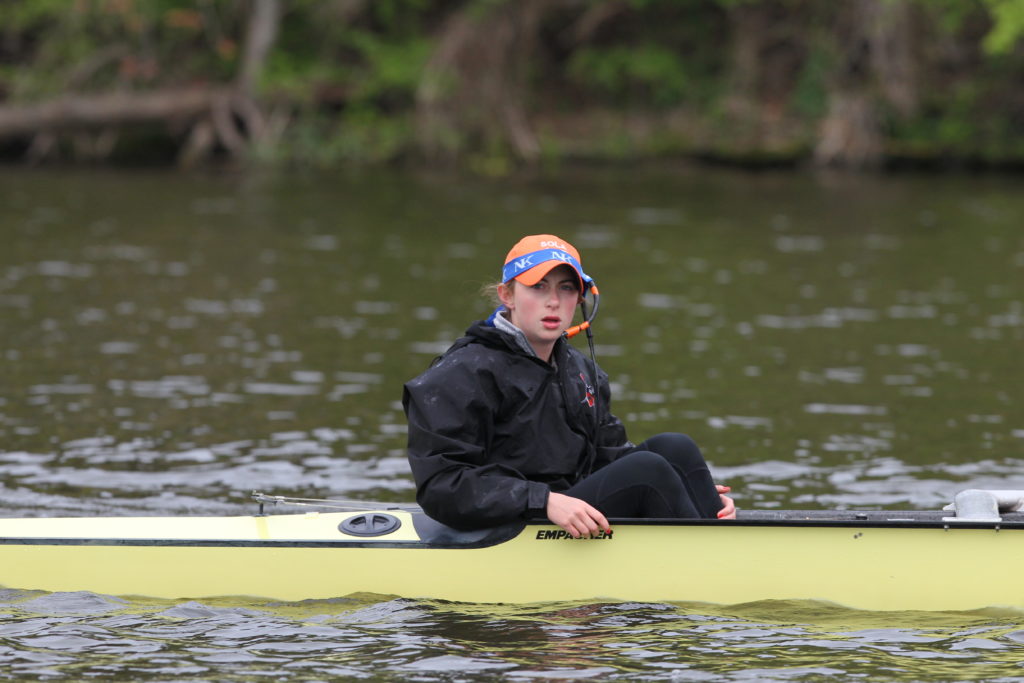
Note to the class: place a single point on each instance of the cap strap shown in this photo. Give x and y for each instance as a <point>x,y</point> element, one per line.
<point>523,263</point>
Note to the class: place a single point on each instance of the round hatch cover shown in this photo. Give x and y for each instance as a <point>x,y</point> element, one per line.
<point>370,524</point>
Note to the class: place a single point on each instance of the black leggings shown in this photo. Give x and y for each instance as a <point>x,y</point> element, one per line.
<point>665,476</point>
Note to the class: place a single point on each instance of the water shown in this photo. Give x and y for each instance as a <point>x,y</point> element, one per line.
<point>172,342</point>
<point>81,636</point>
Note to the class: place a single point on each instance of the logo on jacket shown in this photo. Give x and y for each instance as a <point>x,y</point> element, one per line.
<point>588,394</point>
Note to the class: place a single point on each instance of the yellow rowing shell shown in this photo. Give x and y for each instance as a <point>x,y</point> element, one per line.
<point>879,563</point>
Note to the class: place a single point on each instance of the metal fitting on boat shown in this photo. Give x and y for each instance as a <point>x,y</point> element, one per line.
<point>982,505</point>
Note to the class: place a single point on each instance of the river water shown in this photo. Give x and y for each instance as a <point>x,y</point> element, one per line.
<point>172,342</point>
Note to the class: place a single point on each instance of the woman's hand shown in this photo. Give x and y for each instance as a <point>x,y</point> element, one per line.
<point>728,510</point>
<point>576,516</point>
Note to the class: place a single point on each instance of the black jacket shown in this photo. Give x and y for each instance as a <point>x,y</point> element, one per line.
<point>492,429</point>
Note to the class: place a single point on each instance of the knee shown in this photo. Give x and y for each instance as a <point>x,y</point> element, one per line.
<point>647,467</point>
<point>678,448</point>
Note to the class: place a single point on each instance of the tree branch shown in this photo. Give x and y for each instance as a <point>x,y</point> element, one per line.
<point>111,109</point>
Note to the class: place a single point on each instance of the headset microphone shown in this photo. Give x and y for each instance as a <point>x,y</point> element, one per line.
<point>588,319</point>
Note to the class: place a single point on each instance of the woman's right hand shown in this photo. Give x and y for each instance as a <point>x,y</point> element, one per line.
<point>728,510</point>
<point>576,516</point>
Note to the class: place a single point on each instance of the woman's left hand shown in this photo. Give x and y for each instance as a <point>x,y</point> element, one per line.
<point>728,510</point>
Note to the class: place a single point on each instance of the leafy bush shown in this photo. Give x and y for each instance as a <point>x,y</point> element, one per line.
<point>644,74</point>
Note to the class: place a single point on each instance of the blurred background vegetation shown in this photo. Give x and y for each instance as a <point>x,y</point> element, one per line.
<point>494,84</point>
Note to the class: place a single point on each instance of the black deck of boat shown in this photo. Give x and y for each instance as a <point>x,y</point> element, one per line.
<point>873,517</point>
<point>438,535</point>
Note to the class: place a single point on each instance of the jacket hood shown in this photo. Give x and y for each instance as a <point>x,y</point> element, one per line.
<point>506,336</point>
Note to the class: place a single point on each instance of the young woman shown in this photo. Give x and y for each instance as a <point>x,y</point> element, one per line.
<point>512,423</point>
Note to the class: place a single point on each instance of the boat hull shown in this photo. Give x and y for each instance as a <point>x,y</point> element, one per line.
<point>869,565</point>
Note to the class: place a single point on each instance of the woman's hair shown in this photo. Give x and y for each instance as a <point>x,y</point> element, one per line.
<point>490,291</point>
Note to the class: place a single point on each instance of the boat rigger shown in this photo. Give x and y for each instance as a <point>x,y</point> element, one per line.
<point>966,557</point>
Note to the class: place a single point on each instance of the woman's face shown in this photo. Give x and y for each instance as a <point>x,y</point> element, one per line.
<point>545,310</point>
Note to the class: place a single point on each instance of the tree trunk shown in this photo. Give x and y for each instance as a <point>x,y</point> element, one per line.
<point>767,54</point>
<point>894,56</point>
<point>850,135</point>
<point>879,64</point>
<point>261,32</point>
<point>475,86</point>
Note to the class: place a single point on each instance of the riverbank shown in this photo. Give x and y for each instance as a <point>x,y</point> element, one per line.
<point>496,85</point>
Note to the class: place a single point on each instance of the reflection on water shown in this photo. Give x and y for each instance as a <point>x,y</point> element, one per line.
<point>172,342</point>
<point>125,476</point>
<point>805,335</point>
<point>86,635</point>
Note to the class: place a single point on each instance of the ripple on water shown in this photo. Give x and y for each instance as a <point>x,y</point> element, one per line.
<point>125,475</point>
<point>277,389</point>
<point>80,602</point>
<point>365,635</point>
<point>194,376</point>
<point>844,409</point>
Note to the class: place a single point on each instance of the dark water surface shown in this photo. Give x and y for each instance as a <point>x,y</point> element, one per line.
<point>172,342</point>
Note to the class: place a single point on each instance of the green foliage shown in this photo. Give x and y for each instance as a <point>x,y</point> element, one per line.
<point>730,4</point>
<point>950,14</point>
<point>399,15</point>
<point>376,60</point>
<point>1006,17</point>
<point>348,73</point>
<point>810,96</point>
<point>645,74</point>
<point>370,73</point>
<point>360,135</point>
<point>954,125</point>
<point>100,44</point>
<point>1007,25</point>
<point>386,68</point>
<point>22,16</point>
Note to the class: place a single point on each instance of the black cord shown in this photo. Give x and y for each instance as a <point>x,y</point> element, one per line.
<point>597,381</point>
